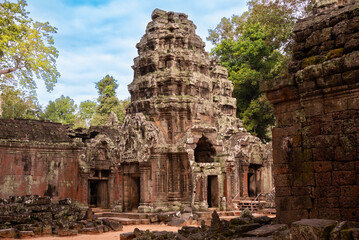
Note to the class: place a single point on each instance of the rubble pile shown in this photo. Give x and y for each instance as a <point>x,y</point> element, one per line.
<point>33,216</point>
<point>248,227</point>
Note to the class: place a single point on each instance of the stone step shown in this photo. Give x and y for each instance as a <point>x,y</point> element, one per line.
<point>125,215</point>
<point>128,221</point>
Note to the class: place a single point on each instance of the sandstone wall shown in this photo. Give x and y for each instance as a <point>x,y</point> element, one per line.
<point>316,139</point>
<point>51,159</point>
<point>37,158</point>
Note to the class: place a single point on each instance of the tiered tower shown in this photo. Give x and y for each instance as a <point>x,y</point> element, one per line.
<point>175,83</point>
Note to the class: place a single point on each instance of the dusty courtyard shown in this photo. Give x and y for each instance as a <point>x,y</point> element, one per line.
<point>115,235</point>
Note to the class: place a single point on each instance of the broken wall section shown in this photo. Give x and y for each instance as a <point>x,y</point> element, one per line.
<point>316,138</point>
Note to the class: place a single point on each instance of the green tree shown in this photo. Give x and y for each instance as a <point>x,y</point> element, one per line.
<point>62,110</point>
<point>86,112</point>
<point>26,48</point>
<point>121,113</point>
<point>108,102</point>
<point>255,47</point>
<point>18,104</point>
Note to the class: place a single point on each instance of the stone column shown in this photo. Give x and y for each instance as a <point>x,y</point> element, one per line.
<point>244,179</point>
<point>84,187</point>
<point>145,191</point>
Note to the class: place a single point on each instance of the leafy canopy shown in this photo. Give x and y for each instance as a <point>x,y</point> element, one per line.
<point>26,48</point>
<point>108,102</point>
<point>62,110</point>
<point>255,47</point>
<point>16,104</point>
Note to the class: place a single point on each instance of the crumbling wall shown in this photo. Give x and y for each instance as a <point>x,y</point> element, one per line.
<point>316,138</point>
<point>37,157</point>
<point>51,159</point>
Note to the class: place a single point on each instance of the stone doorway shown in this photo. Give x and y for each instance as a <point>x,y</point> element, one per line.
<point>212,191</point>
<point>254,180</point>
<point>98,195</point>
<point>132,193</point>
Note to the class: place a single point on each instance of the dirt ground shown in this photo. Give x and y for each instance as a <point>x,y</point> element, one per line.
<point>116,235</point>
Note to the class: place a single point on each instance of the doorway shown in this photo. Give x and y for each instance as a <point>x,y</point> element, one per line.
<point>133,193</point>
<point>98,194</point>
<point>212,191</point>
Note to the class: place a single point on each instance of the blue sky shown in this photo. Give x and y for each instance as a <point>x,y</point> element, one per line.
<point>98,37</point>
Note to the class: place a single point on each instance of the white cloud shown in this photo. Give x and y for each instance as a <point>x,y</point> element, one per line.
<point>97,40</point>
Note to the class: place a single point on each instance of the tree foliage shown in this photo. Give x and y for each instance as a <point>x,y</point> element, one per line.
<point>26,48</point>
<point>108,102</point>
<point>85,113</point>
<point>62,110</point>
<point>16,104</point>
<point>255,47</point>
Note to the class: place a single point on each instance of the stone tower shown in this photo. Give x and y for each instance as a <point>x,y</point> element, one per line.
<point>175,82</point>
<point>181,141</point>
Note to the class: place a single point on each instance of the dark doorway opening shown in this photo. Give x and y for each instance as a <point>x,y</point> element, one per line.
<point>98,193</point>
<point>133,193</point>
<point>204,151</point>
<point>252,190</point>
<point>212,191</point>
<point>254,180</point>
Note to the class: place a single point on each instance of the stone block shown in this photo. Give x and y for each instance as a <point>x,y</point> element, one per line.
<point>282,235</point>
<point>351,77</point>
<point>312,229</point>
<point>349,191</point>
<point>350,214</point>
<point>266,230</point>
<point>322,166</point>
<point>328,202</point>
<point>127,236</point>
<point>330,81</point>
<point>323,179</point>
<point>343,165</point>
<point>26,234</point>
<point>67,232</point>
<point>351,61</point>
<point>343,178</point>
<point>7,233</point>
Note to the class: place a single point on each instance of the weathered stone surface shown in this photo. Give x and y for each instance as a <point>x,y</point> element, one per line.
<point>7,233</point>
<point>26,234</point>
<point>127,236</point>
<point>312,229</point>
<point>266,230</point>
<point>315,146</point>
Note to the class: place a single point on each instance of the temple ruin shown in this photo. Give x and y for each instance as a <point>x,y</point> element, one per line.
<point>316,141</point>
<point>181,144</point>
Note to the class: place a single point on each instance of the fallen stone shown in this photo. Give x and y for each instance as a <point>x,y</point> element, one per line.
<point>115,226</point>
<point>263,220</point>
<point>312,229</point>
<point>239,221</point>
<point>246,227</point>
<point>127,236</point>
<point>93,230</point>
<point>26,234</point>
<point>7,233</point>
<point>67,232</point>
<point>266,230</point>
<point>175,221</point>
<point>282,235</point>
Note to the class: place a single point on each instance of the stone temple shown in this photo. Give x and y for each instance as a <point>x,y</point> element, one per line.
<point>180,145</point>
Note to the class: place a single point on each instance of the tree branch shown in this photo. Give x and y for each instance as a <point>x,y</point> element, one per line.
<point>9,70</point>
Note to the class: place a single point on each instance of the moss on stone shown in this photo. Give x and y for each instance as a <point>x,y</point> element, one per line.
<point>311,61</point>
<point>333,54</point>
